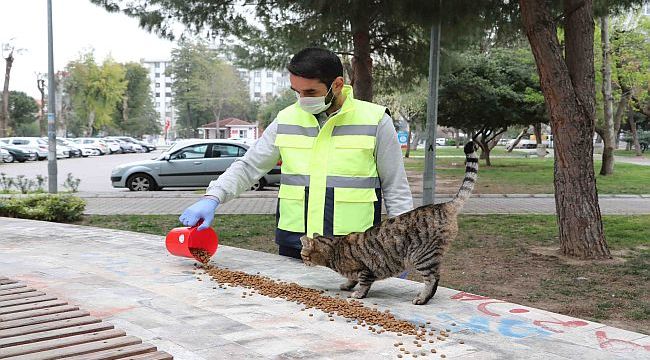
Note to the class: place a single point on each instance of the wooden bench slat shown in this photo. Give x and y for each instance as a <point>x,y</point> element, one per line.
<point>12,286</point>
<point>158,355</point>
<point>20,296</point>
<point>52,344</point>
<point>18,290</point>
<point>33,306</point>
<point>80,349</point>
<point>42,319</point>
<point>54,334</point>
<point>24,330</point>
<point>38,312</point>
<point>29,300</point>
<point>126,352</point>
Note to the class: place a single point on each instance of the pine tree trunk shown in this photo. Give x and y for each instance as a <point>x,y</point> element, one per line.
<point>607,166</point>
<point>569,90</point>
<point>361,61</point>
<point>4,115</point>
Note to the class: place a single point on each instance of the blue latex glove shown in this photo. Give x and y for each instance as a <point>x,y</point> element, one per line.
<point>200,210</point>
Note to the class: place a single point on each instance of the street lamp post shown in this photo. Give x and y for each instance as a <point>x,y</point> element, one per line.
<point>51,108</point>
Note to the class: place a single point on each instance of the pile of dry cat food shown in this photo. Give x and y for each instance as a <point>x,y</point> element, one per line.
<point>200,255</point>
<point>372,319</point>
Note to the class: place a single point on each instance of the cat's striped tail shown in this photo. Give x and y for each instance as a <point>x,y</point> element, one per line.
<point>471,172</point>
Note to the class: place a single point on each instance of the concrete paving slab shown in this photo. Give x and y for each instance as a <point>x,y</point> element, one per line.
<point>129,279</point>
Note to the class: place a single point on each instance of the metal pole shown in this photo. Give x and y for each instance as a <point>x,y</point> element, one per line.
<point>429,181</point>
<point>51,108</point>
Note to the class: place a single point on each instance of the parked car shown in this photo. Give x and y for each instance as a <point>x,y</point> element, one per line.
<point>73,149</point>
<point>113,145</point>
<point>35,144</point>
<point>94,143</point>
<point>191,163</point>
<point>139,146</point>
<point>5,156</point>
<point>86,149</point>
<point>18,154</point>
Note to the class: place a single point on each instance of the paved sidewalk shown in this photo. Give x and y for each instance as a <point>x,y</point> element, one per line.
<point>128,279</point>
<point>265,203</point>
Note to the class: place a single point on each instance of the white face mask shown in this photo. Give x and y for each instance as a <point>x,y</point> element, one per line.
<point>316,104</point>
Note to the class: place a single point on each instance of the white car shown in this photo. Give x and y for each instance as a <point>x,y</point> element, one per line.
<point>94,143</point>
<point>113,145</point>
<point>29,143</point>
<point>5,156</point>
<point>441,141</point>
<point>86,149</point>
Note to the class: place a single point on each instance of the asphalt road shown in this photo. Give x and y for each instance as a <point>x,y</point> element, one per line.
<point>94,171</point>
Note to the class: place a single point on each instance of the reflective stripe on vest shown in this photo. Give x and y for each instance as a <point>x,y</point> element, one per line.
<point>338,157</point>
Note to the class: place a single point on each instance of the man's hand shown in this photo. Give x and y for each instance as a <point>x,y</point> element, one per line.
<point>200,210</point>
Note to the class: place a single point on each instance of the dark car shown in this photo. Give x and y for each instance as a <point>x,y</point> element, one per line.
<point>20,155</point>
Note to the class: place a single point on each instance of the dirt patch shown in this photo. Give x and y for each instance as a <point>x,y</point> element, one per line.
<point>554,252</point>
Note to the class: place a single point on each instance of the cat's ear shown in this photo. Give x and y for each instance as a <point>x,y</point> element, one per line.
<point>306,242</point>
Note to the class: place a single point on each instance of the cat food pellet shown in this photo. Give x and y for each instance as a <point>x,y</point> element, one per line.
<point>355,327</point>
<point>399,356</point>
<point>415,341</point>
<point>453,324</point>
<point>443,355</point>
<point>407,352</point>
<point>331,319</point>
<point>419,345</point>
<point>462,342</point>
<point>311,314</point>
<point>428,322</point>
<point>415,355</point>
<point>430,341</point>
<point>433,351</point>
<point>396,344</point>
<point>402,349</point>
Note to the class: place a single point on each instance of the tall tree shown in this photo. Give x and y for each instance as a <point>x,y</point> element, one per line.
<point>22,111</point>
<point>270,109</point>
<point>607,131</point>
<point>4,114</point>
<point>567,81</point>
<point>486,93</point>
<point>206,88</point>
<point>366,32</point>
<point>95,91</point>
<point>135,115</point>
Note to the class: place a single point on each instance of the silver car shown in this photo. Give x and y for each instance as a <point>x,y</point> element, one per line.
<point>190,163</point>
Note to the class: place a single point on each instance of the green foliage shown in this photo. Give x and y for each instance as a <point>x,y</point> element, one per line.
<point>24,184</point>
<point>22,112</point>
<point>135,115</point>
<point>206,88</point>
<point>270,109</point>
<point>95,90</point>
<point>6,182</point>
<point>57,208</point>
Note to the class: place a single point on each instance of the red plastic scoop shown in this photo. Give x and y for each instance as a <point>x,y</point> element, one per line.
<point>180,240</point>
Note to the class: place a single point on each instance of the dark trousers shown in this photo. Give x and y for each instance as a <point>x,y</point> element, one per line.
<point>289,251</point>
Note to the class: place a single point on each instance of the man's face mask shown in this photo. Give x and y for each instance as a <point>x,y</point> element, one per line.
<point>316,104</point>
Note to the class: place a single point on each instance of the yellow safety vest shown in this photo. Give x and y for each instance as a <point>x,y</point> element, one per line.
<point>329,181</point>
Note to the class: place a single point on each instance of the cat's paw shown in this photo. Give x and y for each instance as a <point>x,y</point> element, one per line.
<point>418,301</point>
<point>347,286</point>
<point>358,294</point>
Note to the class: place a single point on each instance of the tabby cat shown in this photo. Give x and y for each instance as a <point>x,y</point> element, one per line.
<point>415,240</point>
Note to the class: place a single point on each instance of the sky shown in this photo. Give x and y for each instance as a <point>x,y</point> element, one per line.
<point>78,25</point>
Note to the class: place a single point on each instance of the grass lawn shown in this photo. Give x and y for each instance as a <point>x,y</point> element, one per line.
<point>532,176</point>
<point>631,153</point>
<point>502,256</point>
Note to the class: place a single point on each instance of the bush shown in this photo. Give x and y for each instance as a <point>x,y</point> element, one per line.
<point>71,183</point>
<point>57,208</point>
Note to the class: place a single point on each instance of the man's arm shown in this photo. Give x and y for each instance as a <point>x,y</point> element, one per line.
<point>240,176</point>
<point>390,166</point>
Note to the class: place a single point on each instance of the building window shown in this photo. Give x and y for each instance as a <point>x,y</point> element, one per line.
<point>168,113</point>
<point>257,74</point>
<point>168,84</point>
<point>257,95</point>
<point>646,9</point>
<point>157,105</point>
<point>168,94</point>
<point>269,74</point>
<point>157,64</point>
<point>157,94</point>
<point>157,75</point>
<point>157,85</point>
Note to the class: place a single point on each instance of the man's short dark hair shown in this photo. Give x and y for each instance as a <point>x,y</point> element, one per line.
<point>316,63</point>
